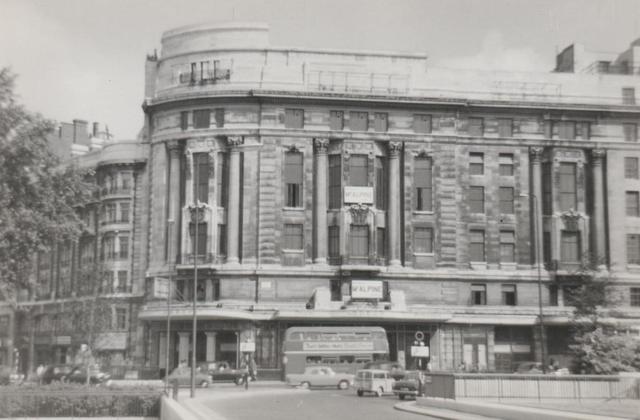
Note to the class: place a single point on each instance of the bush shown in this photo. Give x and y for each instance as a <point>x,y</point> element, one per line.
<point>73,400</point>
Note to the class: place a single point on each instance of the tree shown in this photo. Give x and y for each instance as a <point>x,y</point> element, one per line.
<point>597,347</point>
<point>38,195</point>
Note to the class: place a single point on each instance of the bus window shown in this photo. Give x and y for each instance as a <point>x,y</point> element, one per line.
<point>379,375</point>
<point>311,360</point>
<point>362,360</point>
<point>330,360</point>
<point>347,359</point>
<point>295,336</point>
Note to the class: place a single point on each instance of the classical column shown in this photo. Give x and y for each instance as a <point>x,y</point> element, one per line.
<point>598,221</point>
<point>321,146</point>
<point>233,209</point>
<point>174,199</point>
<point>162,349</point>
<point>393,219</point>
<point>536,210</point>
<point>211,346</point>
<point>183,347</point>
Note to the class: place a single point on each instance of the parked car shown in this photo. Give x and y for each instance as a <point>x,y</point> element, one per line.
<point>394,368</point>
<point>320,376</point>
<point>377,381</point>
<point>222,372</point>
<point>55,373</point>
<point>8,376</point>
<point>182,374</point>
<point>532,368</point>
<point>78,375</point>
<point>410,385</point>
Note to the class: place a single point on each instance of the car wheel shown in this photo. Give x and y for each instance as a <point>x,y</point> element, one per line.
<point>401,396</point>
<point>343,385</point>
<point>305,385</point>
<point>359,392</point>
<point>239,381</point>
<point>379,392</point>
<point>204,384</point>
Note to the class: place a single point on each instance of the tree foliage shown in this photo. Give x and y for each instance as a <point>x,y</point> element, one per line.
<point>38,195</point>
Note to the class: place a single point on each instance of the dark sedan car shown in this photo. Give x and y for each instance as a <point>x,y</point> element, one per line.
<point>79,375</point>
<point>222,372</point>
<point>54,373</point>
<point>410,385</point>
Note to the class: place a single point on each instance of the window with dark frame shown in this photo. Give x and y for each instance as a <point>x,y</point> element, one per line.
<point>359,170</point>
<point>293,174</point>
<point>336,120</point>
<point>380,121</point>
<point>121,319</point>
<point>476,245</point>
<point>359,238</point>
<point>553,295</point>
<point>632,200</point>
<point>222,179</point>
<point>293,118</point>
<point>201,166</point>
<point>381,182</point>
<point>202,118</point>
<point>335,181</point>
<point>422,123</point>
<point>630,132</point>
<point>547,196</point>
<point>122,281</point>
<point>634,296</point>
<point>222,240</point>
<point>570,247</point>
<point>124,247</point>
<point>423,181</point>
<point>381,242</point>
<point>292,236</point>
<point>506,200</point>
<point>478,294</point>
<point>476,163</point>
<point>476,199</point>
<point>423,240</point>
<point>509,296</point>
<point>334,242</point>
<point>184,120</point>
<point>633,248</point>
<point>628,96</point>
<point>631,167</point>
<point>505,161</point>
<point>219,116</point>
<point>584,128</point>
<point>476,127</point>
<point>567,186</point>
<point>505,127</point>
<point>507,246</point>
<point>358,121</point>
<point>566,130</point>
<point>200,241</point>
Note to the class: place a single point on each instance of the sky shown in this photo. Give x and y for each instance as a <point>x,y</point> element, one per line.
<point>85,58</point>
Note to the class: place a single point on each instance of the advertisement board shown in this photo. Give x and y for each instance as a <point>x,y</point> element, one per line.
<point>366,289</point>
<point>419,351</point>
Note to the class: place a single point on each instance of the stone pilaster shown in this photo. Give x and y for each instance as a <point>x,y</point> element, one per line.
<point>174,201</point>
<point>321,146</point>
<point>183,347</point>
<point>211,346</point>
<point>233,209</point>
<point>393,222</point>
<point>536,209</point>
<point>598,222</point>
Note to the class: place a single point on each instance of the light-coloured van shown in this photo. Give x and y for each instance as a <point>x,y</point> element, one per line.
<point>377,381</point>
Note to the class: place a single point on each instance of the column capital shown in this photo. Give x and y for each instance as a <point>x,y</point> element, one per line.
<point>394,148</point>
<point>234,141</point>
<point>598,156</point>
<point>321,145</point>
<point>536,154</point>
<point>174,147</point>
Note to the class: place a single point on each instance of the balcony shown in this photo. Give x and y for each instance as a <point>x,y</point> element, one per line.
<point>187,259</point>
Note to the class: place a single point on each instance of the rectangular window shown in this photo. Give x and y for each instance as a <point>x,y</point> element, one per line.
<point>380,121</point>
<point>359,240</point>
<point>476,199</point>
<point>634,296</point>
<point>336,120</point>
<point>335,181</point>
<point>547,202</point>
<point>219,115</point>
<point>509,296</point>
<point>201,170</point>
<point>422,173</point>
<point>201,118</point>
<point>476,127</point>
<point>292,236</point>
<point>505,161</point>
<point>121,318</point>
<point>184,120</point>
<point>125,181</point>
<point>566,130</point>
<point>633,249</point>
<point>359,170</point>
<point>122,282</point>
<point>294,118</point>
<point>422,123</point>
<point>505,127</point>
<point>199,242</point>
<point>507,246</point>
<point>334,242</point>
<point>628,96</point>
<point>222,184</point>
<point>358,121</point>
<point>476,245</point>
<point>381,182</point>
<point>124,212</point>
<point>108,248</point>
<point>478,294</point>
<point>222,240</point>
<point>584,130</point>
<point>111,212</point>
<point>553,295</point>
<point>293,178</point>
<point>567,187</point>
<point>476,163</point>
<point>632,199</point>
<point>631,168</point>
<point>423,239</point>
<point>506,200</point>
<point>570,246</point>
<point>381,242</point>
<point>630,132</point>
<point>124,247</point>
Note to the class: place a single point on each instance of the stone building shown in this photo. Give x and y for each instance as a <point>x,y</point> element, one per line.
<point>362,188</point>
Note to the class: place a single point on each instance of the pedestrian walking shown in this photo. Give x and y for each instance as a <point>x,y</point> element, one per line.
<point>40,373</point>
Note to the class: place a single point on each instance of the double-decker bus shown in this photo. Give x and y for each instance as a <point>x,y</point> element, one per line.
<point>345,349</point>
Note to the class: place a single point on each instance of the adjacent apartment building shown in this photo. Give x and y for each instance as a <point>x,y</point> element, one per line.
<point>308,187</point>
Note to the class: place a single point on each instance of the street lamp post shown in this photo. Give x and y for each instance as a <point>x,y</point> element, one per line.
<point>538,255</point>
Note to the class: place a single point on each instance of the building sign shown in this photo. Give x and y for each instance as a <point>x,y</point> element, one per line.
<point>111,341</point>
<point>419,351</point>
<point>337,346</point>
<point>366,289</point>
<point>160,288</point>
<point>248,347</point>
<point>62,340</point>
<point>228,347</point>
<point>358,195</point>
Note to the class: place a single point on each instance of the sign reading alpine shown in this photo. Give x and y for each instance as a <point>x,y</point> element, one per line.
<point>366,289</point>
